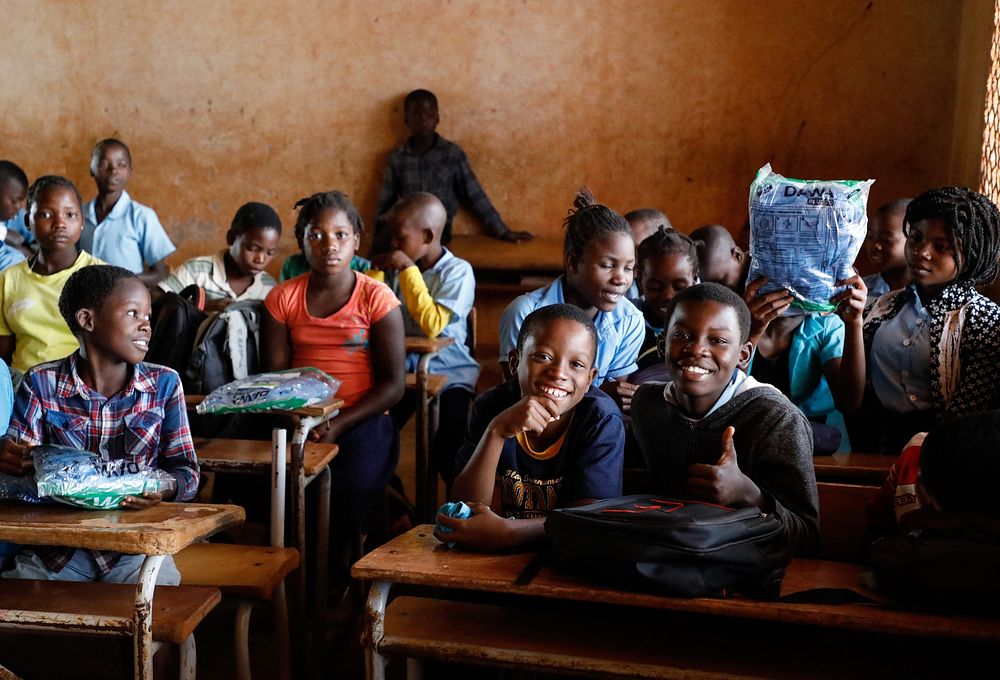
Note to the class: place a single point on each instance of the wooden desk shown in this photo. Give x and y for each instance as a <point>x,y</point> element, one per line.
<point>853,468</point>
<point>158,531</point>
<point>426,492</point>
<point>875,633</point>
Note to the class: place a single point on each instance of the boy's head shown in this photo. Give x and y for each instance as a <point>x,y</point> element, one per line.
<point>707,331</point>
<point>54,213</point>
<point>959,465</point>
<point>110,165</point>
<point>253,237</point>
<point>644,222</point>
<point>13,189</point>
<point>720,260</point>
<point>556,350</point>
<point>969,222</point>
<point>107,308</point>
<point>420,111</point>
<point>886,250</point>
<point>416,221</point>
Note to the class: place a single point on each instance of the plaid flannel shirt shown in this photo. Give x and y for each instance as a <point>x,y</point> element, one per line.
<point>443,171</point>
<point>145,422</point>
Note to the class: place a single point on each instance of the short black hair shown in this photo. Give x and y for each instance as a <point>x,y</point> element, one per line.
<point>974,225</point>
<point>587,221</point>
<point>419,95</point>
<point>710,237</point>
<point>252,214</point>
<point>666,240</point>
<point>99,148</point>
<point>959,462</point>
<point>89,287</point>
<point>11,171</point>
<point>47,182</point>
<point>648,215</point>
<point>310,206</point>
<point>546,315</point>
<point>897,207</point>
<point>713,292</point>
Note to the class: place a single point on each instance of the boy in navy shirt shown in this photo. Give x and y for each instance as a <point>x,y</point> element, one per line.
<point>547,440</point>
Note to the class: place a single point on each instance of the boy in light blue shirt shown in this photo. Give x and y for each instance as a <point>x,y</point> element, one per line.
<point>13,194</point>
<point>118,230</point>
<point>437,290</point>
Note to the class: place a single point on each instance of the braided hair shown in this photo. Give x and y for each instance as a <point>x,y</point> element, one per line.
<point>310,206</point>
<point>973,224</point>
<point>665,241</point>
<point>587,221</point>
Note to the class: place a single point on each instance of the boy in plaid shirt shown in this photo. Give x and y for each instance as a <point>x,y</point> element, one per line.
<point>103,398</point>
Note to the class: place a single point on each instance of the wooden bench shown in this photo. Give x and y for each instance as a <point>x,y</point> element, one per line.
<point>843,519</point>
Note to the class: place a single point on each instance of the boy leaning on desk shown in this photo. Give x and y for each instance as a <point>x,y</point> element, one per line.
<point>104,398</point>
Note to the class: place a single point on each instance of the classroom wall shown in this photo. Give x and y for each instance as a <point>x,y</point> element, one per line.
<point>649,102</point>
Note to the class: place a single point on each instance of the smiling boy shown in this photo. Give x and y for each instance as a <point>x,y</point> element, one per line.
<point>715,434</point>
<point>547,440</point>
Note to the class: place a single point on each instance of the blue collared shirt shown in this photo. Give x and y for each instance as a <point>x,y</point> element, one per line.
<point>130,236</point>
<point>9,256</point>
<point>16,223</point>
<point>619,332</point>
<point>900,358</point>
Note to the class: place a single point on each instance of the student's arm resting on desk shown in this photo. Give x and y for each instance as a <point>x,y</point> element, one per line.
<point>476,483</point>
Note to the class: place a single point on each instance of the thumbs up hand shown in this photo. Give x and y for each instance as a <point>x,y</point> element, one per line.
<point>723,483</point>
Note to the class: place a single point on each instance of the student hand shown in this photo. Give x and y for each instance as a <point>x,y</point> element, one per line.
<point>394,259</point>
<point>723,483</point>
<point>764,309</point>
<point>15,459</point>
<point>511,236</point>
<point>485,530</point>
<point>531,414</point>
<point>325,432</point>
<point>851,302</point>
<point>147,500</point>
<point>621,392</point>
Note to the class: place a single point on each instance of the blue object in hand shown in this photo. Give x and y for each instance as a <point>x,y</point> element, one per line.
<point>459,510</point>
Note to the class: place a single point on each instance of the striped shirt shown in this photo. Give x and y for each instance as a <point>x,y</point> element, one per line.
<point>146,422</point>
<point>209,272</point>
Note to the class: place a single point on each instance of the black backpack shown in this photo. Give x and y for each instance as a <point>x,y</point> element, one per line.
<point>674,547</point>
<point>175,320</point>
<point>226,347</point>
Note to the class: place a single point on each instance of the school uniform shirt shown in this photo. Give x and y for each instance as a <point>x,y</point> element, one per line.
<point>817,340</point>
<point>130,236</point>
<point>16,224</point>
<point>620,332</point>
<point>877,287</point>
<point>444,171</point>
<point>962,343</point>
<point>9,256</point>
<point>29,310</point>
<point>588,464</point>
<point>146,423</point>
<point>337,344</point>
<point>209,272</point>
<point>450,283</point>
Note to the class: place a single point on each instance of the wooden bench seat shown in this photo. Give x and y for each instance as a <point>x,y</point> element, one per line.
<point>248,571</point>
<point>250,456</point>
<point>177,610</point>
<point>435,383</point>
<point>843,519</point>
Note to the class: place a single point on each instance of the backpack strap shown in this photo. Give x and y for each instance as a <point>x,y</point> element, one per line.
<point>236,339</point>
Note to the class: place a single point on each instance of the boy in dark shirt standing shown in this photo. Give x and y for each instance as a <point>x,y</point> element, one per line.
<point>429,162</point>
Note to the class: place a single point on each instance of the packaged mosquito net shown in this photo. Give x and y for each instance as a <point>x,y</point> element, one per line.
<point>85,479</point>
<point>805,236</point>
<point>278,390</point>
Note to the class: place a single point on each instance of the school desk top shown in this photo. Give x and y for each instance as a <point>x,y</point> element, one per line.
<point>163,529</point>
<point>483,252</point>
<point>321,410</point>
<point>417,558</point>
<point>423,345</point>
<point>856,468</point>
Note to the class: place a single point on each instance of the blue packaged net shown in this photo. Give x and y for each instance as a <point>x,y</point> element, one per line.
<point>278,390</point>
<point>805,236</point>
<point>458,510</point>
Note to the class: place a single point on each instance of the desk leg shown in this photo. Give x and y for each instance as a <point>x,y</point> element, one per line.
<point>322,561</point>
<point>426,497</point>
<point>375,663</point>
<point>142,633</point>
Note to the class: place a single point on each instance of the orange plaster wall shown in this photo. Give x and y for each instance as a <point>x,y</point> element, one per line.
<point>672,104</point>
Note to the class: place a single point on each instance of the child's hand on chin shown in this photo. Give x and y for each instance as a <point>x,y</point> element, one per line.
<point>485,530</point>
